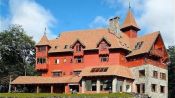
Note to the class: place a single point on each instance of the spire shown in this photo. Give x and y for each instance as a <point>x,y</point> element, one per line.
<point>129,21</point>
<point>43,40</point>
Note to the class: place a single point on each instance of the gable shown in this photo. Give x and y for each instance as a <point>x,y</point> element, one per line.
<point>77,42</point>
<point>142,44</point>
<point>159,48</point>
<point>103,42</point>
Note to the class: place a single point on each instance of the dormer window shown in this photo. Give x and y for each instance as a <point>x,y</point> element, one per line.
<point>42,48</point>
<point>103,44</point>
<point>78,48</point>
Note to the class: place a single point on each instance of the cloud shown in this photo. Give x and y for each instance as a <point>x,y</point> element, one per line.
<point>98,22</point>
<point>151,15</point>
<point>158,15</point>
<point>32,16</point>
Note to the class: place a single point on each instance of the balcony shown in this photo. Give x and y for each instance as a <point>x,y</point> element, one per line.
<point>103,52</point>
<point>41,67</point>
<point>157,52</point>
<point>78,53</point>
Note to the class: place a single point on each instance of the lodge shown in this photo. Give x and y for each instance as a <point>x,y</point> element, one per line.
<point>113,59</point>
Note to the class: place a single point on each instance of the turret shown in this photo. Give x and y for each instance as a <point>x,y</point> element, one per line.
<point>130,26</point>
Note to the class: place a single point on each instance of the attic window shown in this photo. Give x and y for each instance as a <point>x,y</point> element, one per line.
<point>138,45</point>
<point>99,69</point>
<point>66,46</point>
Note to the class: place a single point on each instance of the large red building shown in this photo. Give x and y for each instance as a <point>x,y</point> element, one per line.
<point>112,59</point>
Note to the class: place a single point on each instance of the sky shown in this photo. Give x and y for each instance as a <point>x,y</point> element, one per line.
<point>58,16</point>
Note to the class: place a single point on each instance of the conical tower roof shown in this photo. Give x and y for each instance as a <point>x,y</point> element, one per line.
<point>130,21</point>
<point>43,41</point>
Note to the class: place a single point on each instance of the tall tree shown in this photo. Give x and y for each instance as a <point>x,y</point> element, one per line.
<point>171,72</point>
<point>17,53</point>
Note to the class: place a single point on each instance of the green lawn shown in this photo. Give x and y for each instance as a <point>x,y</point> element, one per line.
<point>47,95</point>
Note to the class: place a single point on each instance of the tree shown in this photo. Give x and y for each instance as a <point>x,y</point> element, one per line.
<point>171,71</point>
<point>17,53</point>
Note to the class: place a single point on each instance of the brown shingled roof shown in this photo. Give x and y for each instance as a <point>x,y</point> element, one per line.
<point>113,70</point>
<point>148,41</point>
<point>43,41</point>
<point>129,21</point>
<point>89,38</point>
<point>45,80</point>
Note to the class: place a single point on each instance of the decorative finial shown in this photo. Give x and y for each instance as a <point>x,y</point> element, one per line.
<point>45,31</point>
<point>129,4</point>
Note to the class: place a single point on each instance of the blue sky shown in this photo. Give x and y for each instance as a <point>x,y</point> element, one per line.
<point>66,15</point>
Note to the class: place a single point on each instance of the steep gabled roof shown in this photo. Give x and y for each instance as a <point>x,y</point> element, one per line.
<point>130,21</point>
<point>148,41</point>
<point>89,38</point>
<point>43,41</point>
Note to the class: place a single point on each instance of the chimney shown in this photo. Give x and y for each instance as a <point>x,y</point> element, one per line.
<point>114,25</point>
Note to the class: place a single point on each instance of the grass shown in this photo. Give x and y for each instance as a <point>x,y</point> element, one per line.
<point>48,95</point>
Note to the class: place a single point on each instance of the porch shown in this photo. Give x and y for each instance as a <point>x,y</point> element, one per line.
<point>107,84</point>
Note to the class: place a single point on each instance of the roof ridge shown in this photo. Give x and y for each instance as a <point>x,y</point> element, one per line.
<point>83,30</point>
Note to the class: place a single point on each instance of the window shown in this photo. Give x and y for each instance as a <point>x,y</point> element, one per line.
<point>153,87</point>
<point>57,61</point>
<point>104,58</point>
<point>155,74</point>
<point>138,45</point>
<point>163,76</point>
<point>42,48</point>
<point>65,60</point>
<point>140,88</point>
<point>41,60</point>
<point>162,89</point>
<point>78,48</point>
<point>79,59</point>
<point>143,87</point>
<point>141,73</point>
<point>57,74</point>
<point>99,69</point>
<point>77,73</point>
<point>103,46</point>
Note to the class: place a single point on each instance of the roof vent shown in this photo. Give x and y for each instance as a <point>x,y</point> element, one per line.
<point>66,46</point>
<point>56,47</point>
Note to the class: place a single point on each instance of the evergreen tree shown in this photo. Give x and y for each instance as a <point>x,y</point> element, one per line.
<point>171,72</point>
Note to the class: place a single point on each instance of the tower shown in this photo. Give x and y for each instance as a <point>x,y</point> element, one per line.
<point>129,26</point>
